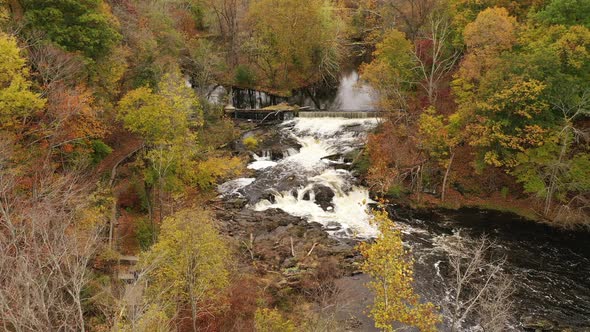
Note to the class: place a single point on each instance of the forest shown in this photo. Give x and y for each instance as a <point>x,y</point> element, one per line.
<point>112,151</point>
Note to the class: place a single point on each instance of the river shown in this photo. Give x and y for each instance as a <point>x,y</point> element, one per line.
<point>310,178</point>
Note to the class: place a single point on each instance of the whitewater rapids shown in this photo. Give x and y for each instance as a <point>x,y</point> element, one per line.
<point>346,212</point>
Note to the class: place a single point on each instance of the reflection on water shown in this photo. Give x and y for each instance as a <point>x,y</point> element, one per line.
<point>351,94</point>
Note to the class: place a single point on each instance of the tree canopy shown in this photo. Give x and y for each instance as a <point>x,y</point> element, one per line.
<point>86,26</point>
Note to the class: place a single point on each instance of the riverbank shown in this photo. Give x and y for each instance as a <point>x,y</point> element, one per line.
<point>469,190</point>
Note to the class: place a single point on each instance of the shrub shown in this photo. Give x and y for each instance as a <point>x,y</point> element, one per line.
<point>396,191</point>
<point>144,233</point>
<point>271,320</point>
<point>504,192</point>
<point>251,142</point>
<point>99,151</point>
<point>244,76</point>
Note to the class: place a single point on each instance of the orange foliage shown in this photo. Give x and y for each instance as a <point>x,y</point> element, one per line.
<point>70,117</point>
<point>185,22</point>
<point>493,32</point>
<point>393,156</point>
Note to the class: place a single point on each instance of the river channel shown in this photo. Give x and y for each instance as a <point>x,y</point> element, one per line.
<point>309,178</point>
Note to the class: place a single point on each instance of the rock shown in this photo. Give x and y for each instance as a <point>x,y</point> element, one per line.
<point>306,196</point>
<point>315,225</point>
<point>334,157</point>
<point>324,196</point>
<point>538,324</point>
<point>278,179</point>
<point>236,203</point>
<point>269,197</point>
<point>281,231</point>
<point>289,262</point>
<point>332,226</point>
<point>342,250</point>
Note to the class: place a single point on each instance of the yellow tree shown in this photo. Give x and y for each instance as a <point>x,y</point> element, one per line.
<point>492,32</point>
<point>163,115</point>
<point>391,268</point>
<point>188,267</point>
<point>17,101</point>
<point>439,138</point>
<point>164,119</point>
<point>391,71</point>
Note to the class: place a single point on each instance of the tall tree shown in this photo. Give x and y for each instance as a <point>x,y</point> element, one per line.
<point>49,237</point>
<point>434,52</point>
<point>161,116</point>
<point>164,119</point>
<point>391,72</point>
<point>480,289</point>
<point>190,265</point>
<point>492,32</point>
<point>391,268</point>
<point>440,137</point>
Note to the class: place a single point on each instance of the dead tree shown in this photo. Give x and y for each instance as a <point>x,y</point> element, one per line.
<point>48,236</point>
<point>480,290</point>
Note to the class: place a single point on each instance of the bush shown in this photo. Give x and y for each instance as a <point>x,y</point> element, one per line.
<point>361,163</point>
<point>270,320</point>
<point>215,169</point>
<point>504,192</point>
<point>99,151</point>
<point>244,76</point>
<point>396,191</point>
<point>144,233</point>
<point>250,142</point>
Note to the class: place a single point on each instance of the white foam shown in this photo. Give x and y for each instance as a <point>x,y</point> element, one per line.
<point>350,210</point>
<point>328,127</point>
<point>320,138</point>
<point>262,162</point>
<point>311,153</point>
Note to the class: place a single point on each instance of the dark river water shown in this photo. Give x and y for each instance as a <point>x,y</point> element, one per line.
<point>550,267</point>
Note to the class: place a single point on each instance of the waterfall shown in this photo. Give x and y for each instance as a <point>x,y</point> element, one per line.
<point>304,184</point>
<point>340,114</point>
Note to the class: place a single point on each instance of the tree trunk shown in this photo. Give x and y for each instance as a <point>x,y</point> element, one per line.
<point>149,199</point>
<point>112,223</point>
<point>444,184</point>
<point>16,9</point>
<point>161,199</point>
<point>553,178</point>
